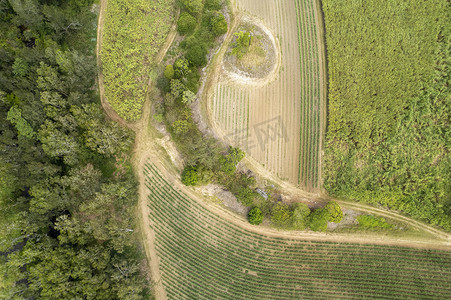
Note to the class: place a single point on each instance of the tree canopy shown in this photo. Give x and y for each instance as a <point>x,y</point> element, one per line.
<point>67,191</point>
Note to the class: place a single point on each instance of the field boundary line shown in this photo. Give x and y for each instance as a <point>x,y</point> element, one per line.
<point>324,82</point>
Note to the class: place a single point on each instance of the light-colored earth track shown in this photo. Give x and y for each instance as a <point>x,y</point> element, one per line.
<point>148,147</point>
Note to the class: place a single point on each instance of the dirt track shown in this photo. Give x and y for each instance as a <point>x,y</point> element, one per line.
<point>147,147</point>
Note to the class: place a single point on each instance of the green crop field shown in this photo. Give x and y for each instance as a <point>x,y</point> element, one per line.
<point>205,257</point>
<point>311,99</point>
<point>134,31</point>
<point>388,136</point>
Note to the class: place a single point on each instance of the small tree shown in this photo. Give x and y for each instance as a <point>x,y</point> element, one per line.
<point>188,97</point>
<point>228,162</point>
<point>255,216</point>
<point>181,67</point>
<point>241,45</point>
<point>169,72</point>
<point>177,88</point>
<point>219,24</point>
<point>281,215</point>
<point>197,54</point>
<point>318,219</point>
<point>20,67</point>
<point>189,175</point>
<point>300,216</point>
<point>180,127</point>
<point>186,24</point>
<point>22,126</point>
<point>335,212</point>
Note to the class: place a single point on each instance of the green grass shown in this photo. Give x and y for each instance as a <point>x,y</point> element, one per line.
<point>134,31</point>
<point>205,257</point>
<point>311,101</point>
<point>388,136</point>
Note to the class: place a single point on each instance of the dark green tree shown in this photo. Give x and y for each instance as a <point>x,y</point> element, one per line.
<point>189,175</point>
<point>219,24</point>
<point>186,24</point>
<point>197,55</point>
<point>300,216</point>
<point>318,219</point>
<point>281,215</point>
<point>255,216</point>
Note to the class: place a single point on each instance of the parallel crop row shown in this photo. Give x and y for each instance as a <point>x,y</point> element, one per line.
<point>311,98</point>
<point>204,257</point>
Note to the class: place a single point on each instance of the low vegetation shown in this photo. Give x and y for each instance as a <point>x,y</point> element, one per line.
<point>67,191</point>
<point>373,222</point>
<point>133,33</point>
<point>242,42</point>
<point>203,256</point>
<point>389,105</point>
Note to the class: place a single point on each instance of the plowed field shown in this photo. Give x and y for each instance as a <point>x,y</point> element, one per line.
<point>279,123</point>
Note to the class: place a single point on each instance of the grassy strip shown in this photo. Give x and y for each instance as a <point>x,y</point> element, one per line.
<point>133,33</point>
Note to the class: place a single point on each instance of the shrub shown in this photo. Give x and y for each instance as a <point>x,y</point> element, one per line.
<point>228,163</point>
<point>205,175</point>
<point>186,24</point>
<point>281,215</point>
<point>192,6</point>
<point>213,4</point>
<point>177,88</point>
<point>219,24</point>
<point>335,212</point>
<point>181,67</point>
<point>300,215</point>
<point>245,195</point>
<point>159,118</point>
<point>241,45</point>
<point>169,72</point>
<point>255,216</point>
<point>180,127</point>
<point>318,219</point>
<point>188,97</point>
<point>189,175</point>
<point>373,222</point>
<point>197,55</point>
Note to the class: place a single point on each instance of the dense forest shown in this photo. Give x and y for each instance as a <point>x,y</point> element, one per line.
<point>67,190</point>
<point>388,138</point>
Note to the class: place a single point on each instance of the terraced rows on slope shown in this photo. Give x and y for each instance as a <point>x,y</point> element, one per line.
<point>205,257</point>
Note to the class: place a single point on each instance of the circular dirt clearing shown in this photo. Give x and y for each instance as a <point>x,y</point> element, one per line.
<point>252,55</point>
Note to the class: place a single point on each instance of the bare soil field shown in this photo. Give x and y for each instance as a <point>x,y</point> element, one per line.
<point>276,120</point>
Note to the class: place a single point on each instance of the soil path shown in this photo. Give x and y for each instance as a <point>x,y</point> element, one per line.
<point>142,145</point>
<point>148,148</point>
